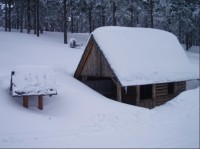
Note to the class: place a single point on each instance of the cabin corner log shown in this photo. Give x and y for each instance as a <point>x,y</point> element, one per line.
<point>40,102</point>
<point>25,101</point>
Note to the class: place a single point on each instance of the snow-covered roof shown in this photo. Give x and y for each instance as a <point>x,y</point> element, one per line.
<point>144,56</point>
<point>33,80</point>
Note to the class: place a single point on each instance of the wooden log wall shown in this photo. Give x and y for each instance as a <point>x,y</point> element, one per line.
<point>148,103</point>
<point>160,94</point>
<point>181,86</point>
<point>96,64</point>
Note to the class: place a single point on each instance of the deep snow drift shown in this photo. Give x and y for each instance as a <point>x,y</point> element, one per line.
<point>78,116</point>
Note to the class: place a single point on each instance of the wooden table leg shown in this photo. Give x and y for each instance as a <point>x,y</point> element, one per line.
<point>25,101</point>
<point>40,102</point>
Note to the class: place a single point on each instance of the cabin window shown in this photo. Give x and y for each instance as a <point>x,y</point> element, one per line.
<point>170,88</point>
<point>145,92</point>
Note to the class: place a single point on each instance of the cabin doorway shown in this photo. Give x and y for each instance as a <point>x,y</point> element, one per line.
<point>103,85</point>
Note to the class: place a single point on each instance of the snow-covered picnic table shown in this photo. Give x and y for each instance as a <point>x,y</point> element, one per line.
<point>33,81</point>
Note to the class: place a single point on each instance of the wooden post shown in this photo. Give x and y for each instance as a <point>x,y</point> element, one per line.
<point>154,95</point>
<point>137,95</point>
<point>119,93</point>
<point>40,102</point>
<point>25,101</point>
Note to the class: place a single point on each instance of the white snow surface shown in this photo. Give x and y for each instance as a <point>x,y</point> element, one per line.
<point>79,117</point>
<point>33,80</point>
<point>144,56</point>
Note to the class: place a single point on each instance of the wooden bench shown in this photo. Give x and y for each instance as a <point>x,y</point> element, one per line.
<point>29,81</point>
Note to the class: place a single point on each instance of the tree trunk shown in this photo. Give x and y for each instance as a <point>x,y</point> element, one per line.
<point>72,16</point>
<point>6,15</point>
<point>103,21</point>
<point>187,41</point>
<point>131,11</point>
<point>17,25</point>
<point>21,16</point>
<point>199,33</point>
<point>90,18</point>
<point>65,21</point>
<point>9,15</point>
<point>169,23</point>
<point>137,17</point>
<point>179,28</point>
<point>28,17</point>
<point>146,22</point>
<point>37,17</point>
<point>72,22</point>
<point>113,14</point>
<point>151,13</point>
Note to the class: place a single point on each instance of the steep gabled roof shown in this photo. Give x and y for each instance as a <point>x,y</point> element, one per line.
<point>141,56</point>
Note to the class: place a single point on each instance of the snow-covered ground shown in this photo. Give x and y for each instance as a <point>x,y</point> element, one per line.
<point>80,117</point>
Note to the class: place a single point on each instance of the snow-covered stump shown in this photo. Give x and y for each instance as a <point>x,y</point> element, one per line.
<point>73,43</point>
<point>29,81</point>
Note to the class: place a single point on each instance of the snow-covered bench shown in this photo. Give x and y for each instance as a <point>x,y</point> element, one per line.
<point>33,81</point>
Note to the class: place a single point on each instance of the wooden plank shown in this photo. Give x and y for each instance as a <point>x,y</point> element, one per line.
<point>147,103</point>
<point>161,88</point>
<point>84,57</point>
<point>160,85</point>
<point>161,93</point>
<point>25,101</point>
<point>40,102</point>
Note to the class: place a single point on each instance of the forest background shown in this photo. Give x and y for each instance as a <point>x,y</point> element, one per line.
<point>181,17</point>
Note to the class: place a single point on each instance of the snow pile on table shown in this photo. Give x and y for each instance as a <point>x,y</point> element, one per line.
<point>33,80</point>
<point>144,56</point>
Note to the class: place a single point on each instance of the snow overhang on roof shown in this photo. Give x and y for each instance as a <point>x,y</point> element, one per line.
<point>144,56</point>
<point>33,80</point>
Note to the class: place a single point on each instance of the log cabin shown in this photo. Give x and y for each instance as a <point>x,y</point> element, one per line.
<point>138,66</point>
